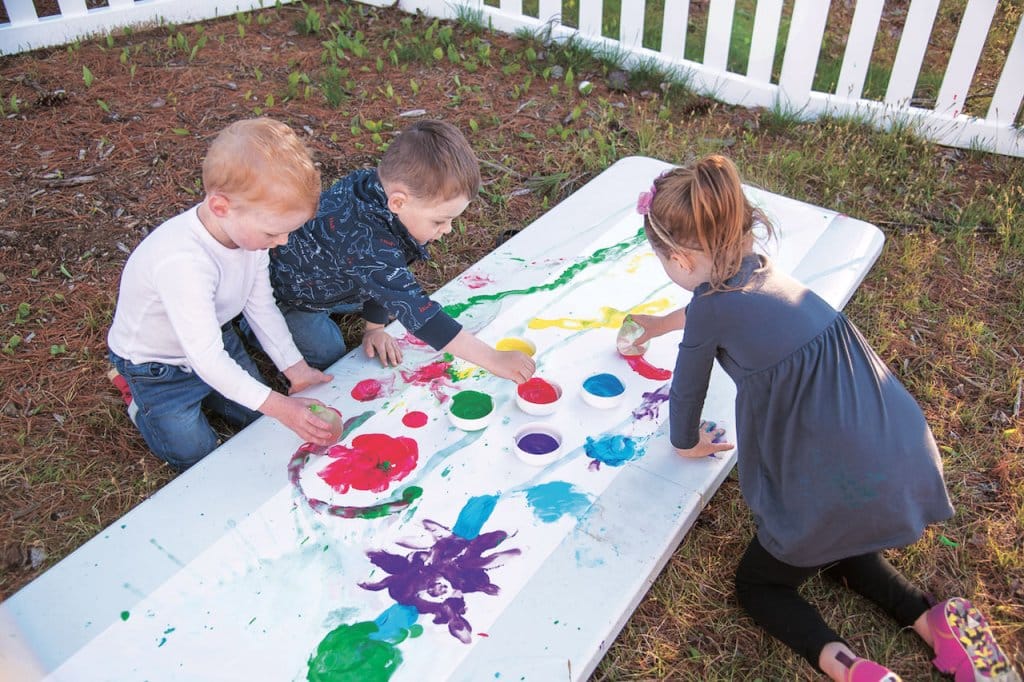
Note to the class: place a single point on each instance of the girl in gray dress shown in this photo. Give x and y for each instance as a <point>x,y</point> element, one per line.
<point>827,433</point>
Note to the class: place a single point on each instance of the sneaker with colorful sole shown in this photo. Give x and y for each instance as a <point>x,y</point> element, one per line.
<point>965,646</point>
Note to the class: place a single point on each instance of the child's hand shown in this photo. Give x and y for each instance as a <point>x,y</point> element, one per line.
<point>513,364</point>
<point>706,445</point>
<point>294,413</point>
<point>377,343</point>
<point>656,325</point>
<point>301,376</point>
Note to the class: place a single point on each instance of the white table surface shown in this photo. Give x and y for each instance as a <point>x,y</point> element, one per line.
<point>227,539</point>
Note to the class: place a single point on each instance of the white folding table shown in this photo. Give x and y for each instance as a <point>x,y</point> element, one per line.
<point>449,558</point>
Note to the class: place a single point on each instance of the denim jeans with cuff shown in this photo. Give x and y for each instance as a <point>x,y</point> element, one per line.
<point>170,402</point>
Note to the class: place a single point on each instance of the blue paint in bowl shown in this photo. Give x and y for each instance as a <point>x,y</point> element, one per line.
<point>604,385</point>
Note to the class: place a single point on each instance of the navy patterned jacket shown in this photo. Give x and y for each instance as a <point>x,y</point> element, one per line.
<point>355,254</point>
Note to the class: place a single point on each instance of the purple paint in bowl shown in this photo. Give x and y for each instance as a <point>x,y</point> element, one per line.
<point>538,443</point>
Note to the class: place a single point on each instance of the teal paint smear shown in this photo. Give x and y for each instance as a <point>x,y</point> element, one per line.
<point>396,623</point>
<point>551,501</point>
<point>612,450</point>
<point>474,515</point>
<point>614,251</point>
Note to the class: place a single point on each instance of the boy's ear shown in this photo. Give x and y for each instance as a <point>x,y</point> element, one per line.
<point>397,200</point>
<point>218,204</point>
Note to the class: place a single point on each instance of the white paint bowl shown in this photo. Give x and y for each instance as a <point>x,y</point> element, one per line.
<point>533,408</point>
<point>538,443</point>
<point>474,423</point>
<point>603,391</point>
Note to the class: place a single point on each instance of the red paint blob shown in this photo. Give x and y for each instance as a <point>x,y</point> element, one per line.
<point>646,369</point>
<point>427,373</point>
<point>537,391</point>
<point>476,281</point>
<point>367,389</point>
<point>415,419</point>
<point>373,462</point>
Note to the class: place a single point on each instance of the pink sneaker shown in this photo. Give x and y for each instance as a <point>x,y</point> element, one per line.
<point>964,644</point>
<point>126,392</point>
<point>863,670</point>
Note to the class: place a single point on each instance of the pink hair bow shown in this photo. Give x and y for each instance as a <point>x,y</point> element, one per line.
<point>643,203</point>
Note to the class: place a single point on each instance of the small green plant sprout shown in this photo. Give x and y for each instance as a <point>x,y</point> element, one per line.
<point>58,349</point>
<point>64,271</point>
<point>473,125</point>
<point>13,342</point>
<point>334,85</point>
<point>181,131</point>
<point>414,86</point>
<point>585,88</point>
<point>296,81</point>
<point>24,310</point>
<point>109,41</point>
<point>104,106</point>
<point>310,24</point>
<point>87,77</point>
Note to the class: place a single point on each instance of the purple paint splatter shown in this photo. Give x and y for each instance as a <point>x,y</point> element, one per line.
<point>648,409</point>
<point>434,579</point>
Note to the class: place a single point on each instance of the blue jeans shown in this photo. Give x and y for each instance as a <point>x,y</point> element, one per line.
<point>316,335</point>
<point>170,403</point>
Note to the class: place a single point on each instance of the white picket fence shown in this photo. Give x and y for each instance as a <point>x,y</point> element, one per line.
<point>945,123</point>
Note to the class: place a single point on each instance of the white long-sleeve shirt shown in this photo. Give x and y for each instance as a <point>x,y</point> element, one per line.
<point>177,289</point>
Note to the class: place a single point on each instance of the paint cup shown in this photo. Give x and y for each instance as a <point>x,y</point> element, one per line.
<point>538,443</point>
<point>471,410</point>
<point>331,416</point>
<point>538,396</point>
<point>516,343</point>
<point>630,331</point>
<point>603,391</point>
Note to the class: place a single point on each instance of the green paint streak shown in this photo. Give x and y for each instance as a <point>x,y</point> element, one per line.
<point>347,654</point>
<point>125,615</point>
<point>409,495</point>
<point>614,251</point>
<point>471,404</point>
<point>354,423</point>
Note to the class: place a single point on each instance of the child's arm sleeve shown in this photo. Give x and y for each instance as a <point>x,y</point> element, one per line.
<point>690,380</point>
<point>395,289</point>
<point>267,322</point>
<point>187,292</point>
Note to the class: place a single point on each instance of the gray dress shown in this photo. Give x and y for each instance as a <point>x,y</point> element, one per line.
<point>835,457</point>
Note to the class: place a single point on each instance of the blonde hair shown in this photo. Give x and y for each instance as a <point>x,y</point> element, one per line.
<point>261,160</point>
<point>701,207</point>
<point>432,160</point>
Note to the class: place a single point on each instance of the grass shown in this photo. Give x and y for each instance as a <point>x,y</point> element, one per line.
<point>942,305</point>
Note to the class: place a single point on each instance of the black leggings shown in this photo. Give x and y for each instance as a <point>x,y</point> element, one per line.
<point>767,591</point>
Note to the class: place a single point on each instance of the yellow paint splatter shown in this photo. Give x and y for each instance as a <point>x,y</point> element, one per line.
<point>636,261</point>
<point>611,318</point>
<point>515,343</point>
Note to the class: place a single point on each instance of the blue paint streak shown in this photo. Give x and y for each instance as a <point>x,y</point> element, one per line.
<point>474,515</point>
<point>612,450</point>
<point>551,501</point>
<point>393,625</point>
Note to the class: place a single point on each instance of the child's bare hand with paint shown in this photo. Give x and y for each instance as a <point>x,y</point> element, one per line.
<point>377,343</point>
<point>294,413</point>
<point>514,365</point>
<point>708,443</point>
<point>658,325</point>
<point>301,376</point>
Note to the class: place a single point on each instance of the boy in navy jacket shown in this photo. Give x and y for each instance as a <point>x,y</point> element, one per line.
<point>353,256</point>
